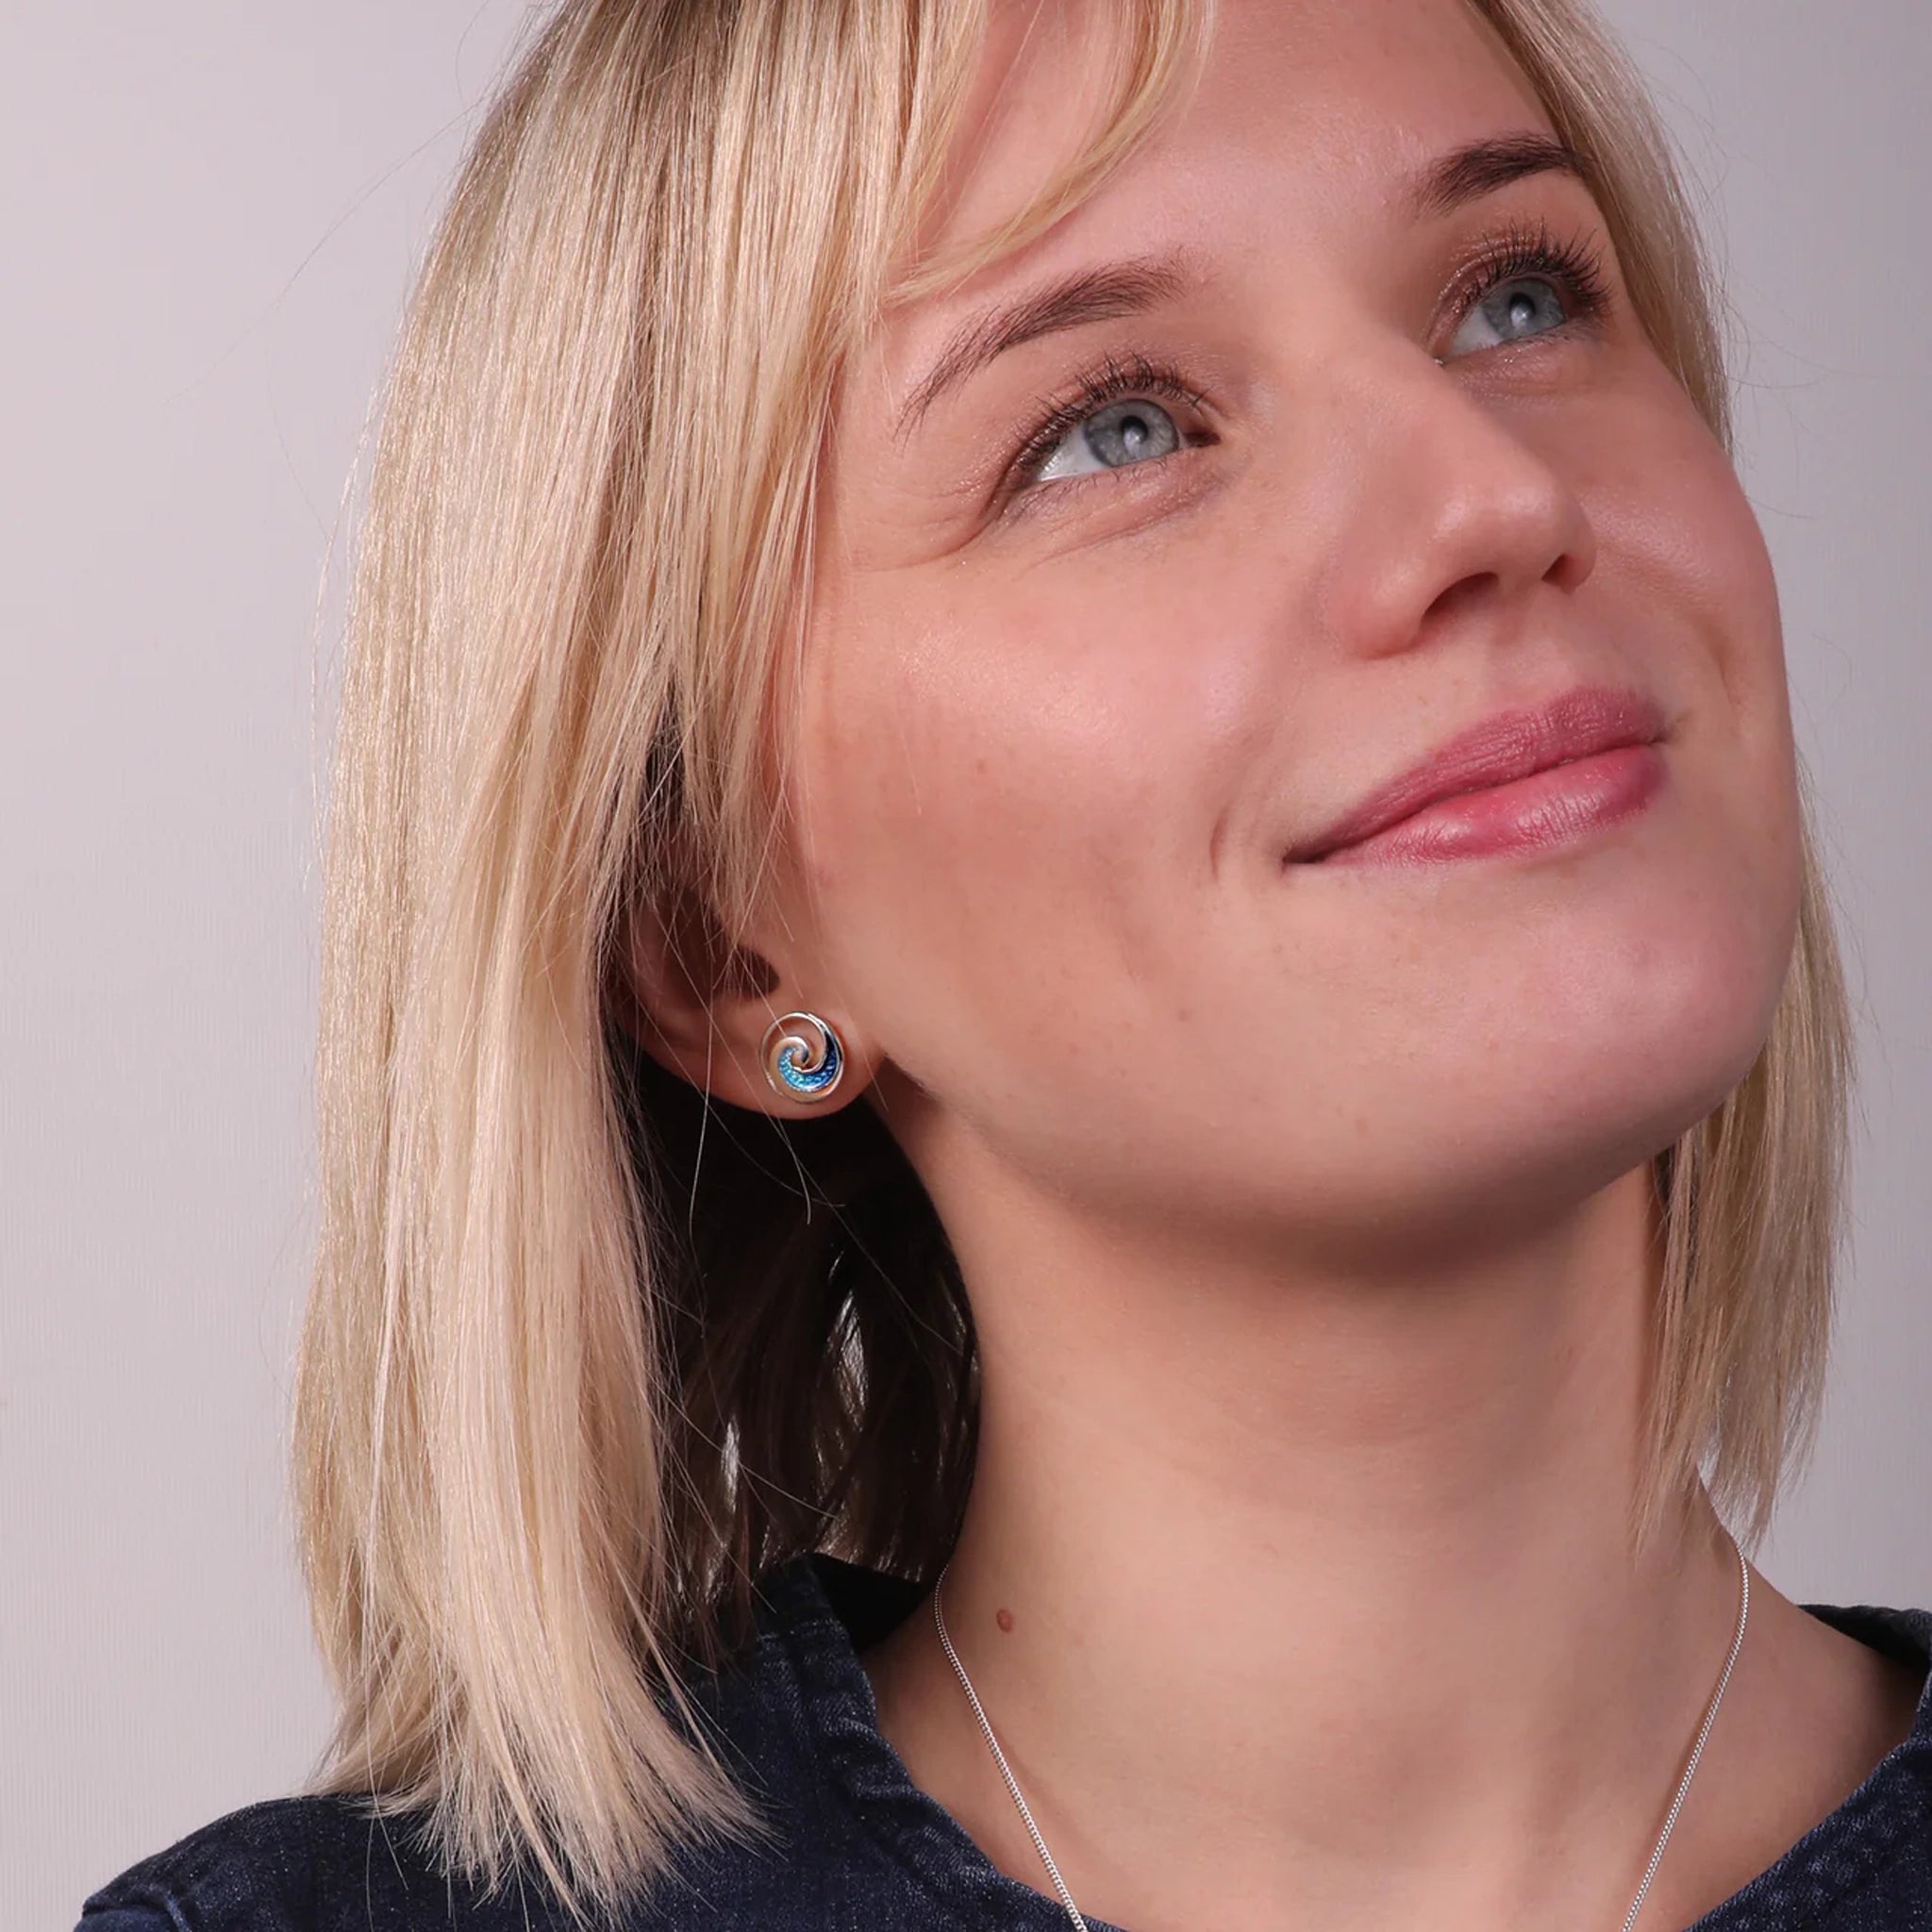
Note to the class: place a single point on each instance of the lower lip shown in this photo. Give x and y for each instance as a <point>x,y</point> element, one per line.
<point>1549,809</point>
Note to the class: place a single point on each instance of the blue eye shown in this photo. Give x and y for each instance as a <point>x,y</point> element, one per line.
<point>1530,285</point>
<point>1110,422</point>
<point>1513,312</point>
<point>1110,439</point>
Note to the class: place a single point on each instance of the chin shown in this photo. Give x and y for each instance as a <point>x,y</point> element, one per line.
<point>1630,1060</point>
<point>1593,1043</point>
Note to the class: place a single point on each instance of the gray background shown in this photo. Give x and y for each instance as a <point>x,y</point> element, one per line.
<point>212,212</point>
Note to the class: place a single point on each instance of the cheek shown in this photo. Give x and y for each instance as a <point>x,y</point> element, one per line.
<point>1000,812</point>
<point>1680,542</point>
<point>921,806</point>
<point>1687,575</point>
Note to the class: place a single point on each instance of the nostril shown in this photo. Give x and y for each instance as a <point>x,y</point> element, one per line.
<point>1477,584</point>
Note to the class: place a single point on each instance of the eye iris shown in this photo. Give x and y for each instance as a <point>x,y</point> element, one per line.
<point>1125,432</point>
<point>1518,307</point>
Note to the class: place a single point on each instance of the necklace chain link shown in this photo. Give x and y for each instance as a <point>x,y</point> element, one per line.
<point>1060,1884</point>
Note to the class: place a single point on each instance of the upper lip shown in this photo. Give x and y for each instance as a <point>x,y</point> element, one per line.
<point>1511,744</point>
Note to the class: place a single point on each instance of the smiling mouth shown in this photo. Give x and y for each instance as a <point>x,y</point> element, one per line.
<point>1521,779</point>
<point>1553,807</point>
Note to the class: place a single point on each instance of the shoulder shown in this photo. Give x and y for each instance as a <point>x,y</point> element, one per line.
<point>334,1864</point>
<point>330,1863</point>
<point>1867,1867</point>
<point>302,1864</point>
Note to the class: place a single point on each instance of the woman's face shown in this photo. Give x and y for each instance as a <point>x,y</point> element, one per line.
<point>1064,725</point>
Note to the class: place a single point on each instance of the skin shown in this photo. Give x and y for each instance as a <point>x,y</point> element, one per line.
<point>1304,1211</point>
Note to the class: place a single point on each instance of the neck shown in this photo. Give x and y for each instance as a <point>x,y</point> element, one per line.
<point>1316,1598</point>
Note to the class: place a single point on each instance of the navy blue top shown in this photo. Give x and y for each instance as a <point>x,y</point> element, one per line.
<point>860,1848</point>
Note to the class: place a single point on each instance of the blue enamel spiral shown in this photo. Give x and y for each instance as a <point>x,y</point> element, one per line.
<point>802,1052</point>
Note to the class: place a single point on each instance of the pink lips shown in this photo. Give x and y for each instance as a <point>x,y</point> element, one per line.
<point>1520,779</point>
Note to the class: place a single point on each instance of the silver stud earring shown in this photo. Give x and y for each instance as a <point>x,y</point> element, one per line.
<point>801,1056</point>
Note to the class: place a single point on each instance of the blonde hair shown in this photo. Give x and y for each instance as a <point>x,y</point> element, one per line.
<point>567,1388</point>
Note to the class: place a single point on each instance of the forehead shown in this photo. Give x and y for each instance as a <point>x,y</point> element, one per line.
<point>1308,114</point>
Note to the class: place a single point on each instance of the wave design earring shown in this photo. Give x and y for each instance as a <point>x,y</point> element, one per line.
<point>801,1056</point>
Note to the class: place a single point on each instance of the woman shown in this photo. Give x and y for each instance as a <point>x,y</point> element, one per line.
<point>902,544</point>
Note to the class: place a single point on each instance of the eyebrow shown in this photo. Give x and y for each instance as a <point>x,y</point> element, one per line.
<point>1089,295</point>
<point>1477,168</point>
<point>1133,286</point>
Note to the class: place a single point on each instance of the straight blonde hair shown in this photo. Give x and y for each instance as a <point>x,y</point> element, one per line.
<point>587,1352</point>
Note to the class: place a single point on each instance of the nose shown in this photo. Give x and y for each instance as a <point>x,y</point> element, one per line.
<point>1450,506</point>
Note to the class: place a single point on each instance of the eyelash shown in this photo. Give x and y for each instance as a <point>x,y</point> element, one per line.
<point>1514,254</point>
<point>1530,249</point>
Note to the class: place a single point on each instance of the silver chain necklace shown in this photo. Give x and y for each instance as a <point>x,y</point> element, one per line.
<point>1060,1884</point>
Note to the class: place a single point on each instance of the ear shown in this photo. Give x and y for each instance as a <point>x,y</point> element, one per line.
<point>700,1003</point>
